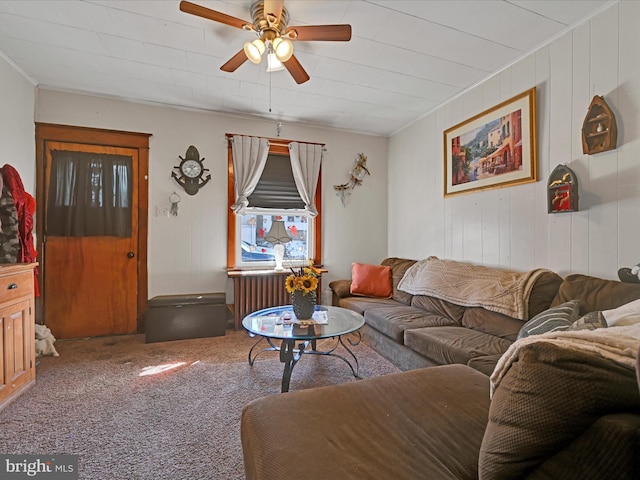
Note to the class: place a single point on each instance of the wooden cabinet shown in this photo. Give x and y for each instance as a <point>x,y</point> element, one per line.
<point>599,129</point>
<point>17,337</point>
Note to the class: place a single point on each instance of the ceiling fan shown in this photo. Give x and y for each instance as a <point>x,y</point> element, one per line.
<point>270,20</point>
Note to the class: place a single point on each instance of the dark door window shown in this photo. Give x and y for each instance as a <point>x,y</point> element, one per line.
<point>89,195</point>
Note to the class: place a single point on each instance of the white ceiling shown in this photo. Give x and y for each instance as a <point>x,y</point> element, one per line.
<point>405,58</point>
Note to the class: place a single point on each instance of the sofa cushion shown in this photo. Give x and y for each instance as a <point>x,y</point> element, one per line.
<point>554,319</point>
<point>393,321</point>
<point>371,280</point>
<point>485,364</point>
<point>543,292</point>
<point>362,304</point>
<point>425,422</point>
<point>398,268</point>
<point>493,323</point>
<point>549,396</point>
<point>595,293</point>
<point>438,306</point>
<point>585,458</point>
<point>445,345</point>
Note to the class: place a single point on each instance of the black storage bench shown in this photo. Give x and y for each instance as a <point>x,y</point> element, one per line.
<point>180,317</point>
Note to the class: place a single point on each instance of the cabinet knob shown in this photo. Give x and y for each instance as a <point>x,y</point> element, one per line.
<point>12,286</point>
<point>131,254</point>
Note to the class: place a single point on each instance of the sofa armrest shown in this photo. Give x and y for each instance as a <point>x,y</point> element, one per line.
<point>548,399</point>
<point>340,289</point>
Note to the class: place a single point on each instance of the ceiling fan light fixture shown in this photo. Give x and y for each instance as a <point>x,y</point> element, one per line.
<point>270,23</point>
<point>254,50</point>
<point>273,64</point>
<point>283,48</point>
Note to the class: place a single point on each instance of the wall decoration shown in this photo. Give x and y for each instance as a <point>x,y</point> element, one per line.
<point>493,149</point>
<point>190,171</point>
<point>562,190</point>
<point>599,129</point>
<point>343,191</point>
<point>174,198</point>
<point>356,175</point>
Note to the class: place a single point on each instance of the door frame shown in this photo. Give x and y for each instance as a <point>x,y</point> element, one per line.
<point>46,132</point>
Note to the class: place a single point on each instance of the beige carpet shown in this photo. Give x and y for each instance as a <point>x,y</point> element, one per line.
<point>182,423</point>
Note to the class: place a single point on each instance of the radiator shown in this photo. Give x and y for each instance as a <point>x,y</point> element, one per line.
<point>253,292</point>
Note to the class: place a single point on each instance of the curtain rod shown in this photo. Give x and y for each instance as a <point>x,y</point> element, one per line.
<point>282,143</point>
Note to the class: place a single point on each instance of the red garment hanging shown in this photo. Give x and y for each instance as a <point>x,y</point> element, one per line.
<point>25,207</point>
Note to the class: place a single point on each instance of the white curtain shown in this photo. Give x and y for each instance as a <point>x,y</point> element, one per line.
<point>305,163</point>
<point>249,158</point>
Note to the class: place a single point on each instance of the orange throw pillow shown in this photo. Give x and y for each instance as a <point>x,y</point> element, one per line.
<point>371,280</point>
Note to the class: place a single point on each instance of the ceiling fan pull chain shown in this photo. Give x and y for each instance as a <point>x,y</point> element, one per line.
<point>270,91</point>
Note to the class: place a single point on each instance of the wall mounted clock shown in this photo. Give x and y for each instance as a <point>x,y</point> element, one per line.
<point>191,171</point>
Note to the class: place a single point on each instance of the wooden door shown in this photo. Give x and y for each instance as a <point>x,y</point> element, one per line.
<point>92,286</point>
<point>91,281</point>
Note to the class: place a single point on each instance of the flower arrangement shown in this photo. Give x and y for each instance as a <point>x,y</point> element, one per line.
<point>304,279</point>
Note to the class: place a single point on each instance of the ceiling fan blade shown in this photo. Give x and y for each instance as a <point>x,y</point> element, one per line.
<point>234,62</point>
<point>273,8</point>
<point>209,14</point>
<point>295,69</point>
<point>328,33</point>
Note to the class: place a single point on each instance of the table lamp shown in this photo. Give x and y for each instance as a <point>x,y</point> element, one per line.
<point>277,236</point>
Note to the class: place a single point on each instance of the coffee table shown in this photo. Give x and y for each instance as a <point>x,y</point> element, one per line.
<point>269,325</point>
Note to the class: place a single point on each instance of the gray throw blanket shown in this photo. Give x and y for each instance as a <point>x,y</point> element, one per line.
<point>495,289</point>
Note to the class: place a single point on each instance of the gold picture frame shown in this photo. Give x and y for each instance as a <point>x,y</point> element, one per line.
<point>493,149</point>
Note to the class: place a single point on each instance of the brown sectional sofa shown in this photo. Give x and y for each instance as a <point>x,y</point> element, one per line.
<point>556,413</point>
<point>414,331</point>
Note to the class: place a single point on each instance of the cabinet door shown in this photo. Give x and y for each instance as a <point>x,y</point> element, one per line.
<point>16,362</point>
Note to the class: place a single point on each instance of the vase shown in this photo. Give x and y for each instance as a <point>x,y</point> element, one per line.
<point>303,305</point>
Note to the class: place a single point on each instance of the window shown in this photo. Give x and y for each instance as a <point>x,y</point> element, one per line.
<point>274,198</point>
<point>254,250</point>
<point>89,194</point>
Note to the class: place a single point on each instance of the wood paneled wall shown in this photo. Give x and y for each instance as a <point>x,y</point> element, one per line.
<point>510,227</point>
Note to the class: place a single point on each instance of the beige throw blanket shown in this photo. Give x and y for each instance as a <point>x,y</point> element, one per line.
<point>498,290</point>
<point>619,344</point>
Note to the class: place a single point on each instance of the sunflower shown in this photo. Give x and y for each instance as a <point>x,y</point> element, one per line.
<point>291,283</point>
<point>307,283</point>
<point>303,279</point>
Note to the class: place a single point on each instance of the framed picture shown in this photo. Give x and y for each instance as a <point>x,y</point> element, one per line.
<point>494,149</point>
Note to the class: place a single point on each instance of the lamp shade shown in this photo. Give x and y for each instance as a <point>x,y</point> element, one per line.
<point>254,50</point>
<point>273,64</point>
<point>283,48</point>
<point>277,233</point>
